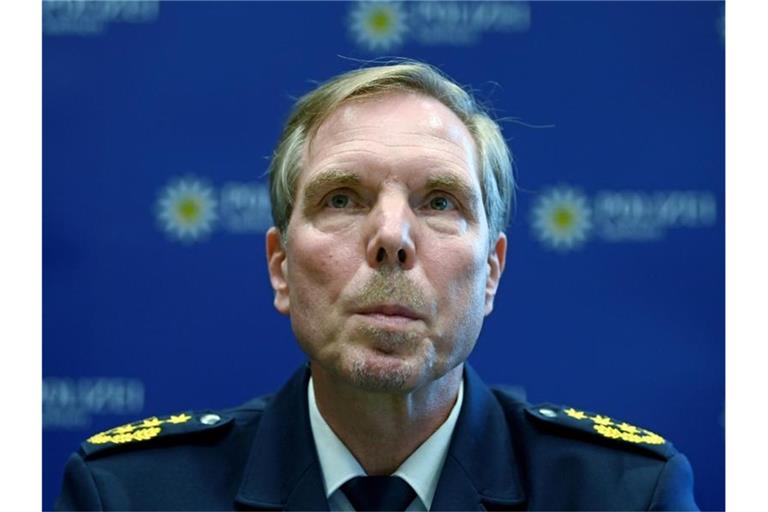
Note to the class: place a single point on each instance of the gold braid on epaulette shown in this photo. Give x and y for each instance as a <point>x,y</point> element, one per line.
<point>138,431</point>
<point>606,427</point>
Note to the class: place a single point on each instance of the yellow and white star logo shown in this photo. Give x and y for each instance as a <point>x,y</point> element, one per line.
<point>562,218</point>
<point>187,210</point>
<point>378,25</point>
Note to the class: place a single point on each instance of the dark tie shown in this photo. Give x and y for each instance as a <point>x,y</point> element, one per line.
<point>378,493</point>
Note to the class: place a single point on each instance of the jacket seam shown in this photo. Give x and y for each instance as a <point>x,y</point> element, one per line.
<point>92,481</point>
<point>656,485</point>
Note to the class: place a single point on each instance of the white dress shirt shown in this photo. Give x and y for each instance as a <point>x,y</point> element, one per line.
<point>421,470</point>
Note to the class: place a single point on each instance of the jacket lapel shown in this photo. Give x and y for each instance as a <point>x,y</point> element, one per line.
<point>283,472</point>
<point>480,471</point>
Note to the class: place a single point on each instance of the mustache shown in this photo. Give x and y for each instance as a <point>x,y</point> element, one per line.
<point>390,287</point>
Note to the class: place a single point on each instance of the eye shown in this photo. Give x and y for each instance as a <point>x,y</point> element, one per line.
<point>338,200</point>
<point>441,203</point>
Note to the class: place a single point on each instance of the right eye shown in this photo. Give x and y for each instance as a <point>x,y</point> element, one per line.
<point>338,200</point>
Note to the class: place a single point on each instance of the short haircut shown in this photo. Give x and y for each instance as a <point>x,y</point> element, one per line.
<point>494,157</point>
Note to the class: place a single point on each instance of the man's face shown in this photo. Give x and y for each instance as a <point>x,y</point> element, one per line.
<point>387,272</point>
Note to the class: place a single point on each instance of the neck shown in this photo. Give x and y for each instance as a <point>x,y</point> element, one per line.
<point>383,429</point>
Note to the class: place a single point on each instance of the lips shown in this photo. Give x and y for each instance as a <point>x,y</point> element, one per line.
<point>391,310</point>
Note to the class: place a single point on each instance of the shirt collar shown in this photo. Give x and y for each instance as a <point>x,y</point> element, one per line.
<point>421,469</point>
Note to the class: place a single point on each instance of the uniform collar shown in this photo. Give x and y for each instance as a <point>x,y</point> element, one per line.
<point>481,470</point>
<point>421,469</point>
<point>283,470</point>
<point>336,461</point>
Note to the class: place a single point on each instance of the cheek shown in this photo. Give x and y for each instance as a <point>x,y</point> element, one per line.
<point>453,225</point>
<point>460,274</point>
<point>316,269</point>
<point>335,223</point>
<point>459,281</point>
<point>463,275</point>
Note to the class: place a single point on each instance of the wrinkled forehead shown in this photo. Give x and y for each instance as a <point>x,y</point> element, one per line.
<point>406,110</point>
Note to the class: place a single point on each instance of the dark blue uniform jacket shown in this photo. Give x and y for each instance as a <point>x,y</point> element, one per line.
<point>504,455</point>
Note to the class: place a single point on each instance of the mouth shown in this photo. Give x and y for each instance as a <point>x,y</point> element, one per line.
<point>390,315</point>
<point>391,310</point>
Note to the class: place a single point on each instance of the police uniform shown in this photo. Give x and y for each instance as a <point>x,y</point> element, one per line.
<point>504,455</point>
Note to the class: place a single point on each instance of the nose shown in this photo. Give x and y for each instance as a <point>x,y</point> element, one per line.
<point>390,239</point>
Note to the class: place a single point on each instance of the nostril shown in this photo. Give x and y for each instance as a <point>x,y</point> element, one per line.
<point>381,254</point>
<point>401,255</point>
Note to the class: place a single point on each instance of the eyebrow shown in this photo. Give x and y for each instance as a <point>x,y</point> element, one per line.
<point>454,185</point>
<point>326,180</point>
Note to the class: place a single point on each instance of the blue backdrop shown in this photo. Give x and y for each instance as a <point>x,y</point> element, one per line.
<point>158,123</point>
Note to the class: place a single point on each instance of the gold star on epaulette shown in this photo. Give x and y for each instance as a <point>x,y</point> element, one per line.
<point>139,431</point>
<point>606,427</point>
<point>626,427</point>
<point>151,422</point>
<point>181,418</point>
<point>599,424</point>
<point>573,413</point>
<point>601,420</point>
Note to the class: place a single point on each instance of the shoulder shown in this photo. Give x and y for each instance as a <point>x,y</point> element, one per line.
<point>136,466</point>
<point>599,428</point>
<point>174,430</point>
<point>551,422</point>
<point>615,464</point>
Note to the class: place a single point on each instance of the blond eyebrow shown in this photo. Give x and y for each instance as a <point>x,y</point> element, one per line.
<point>326,180</point>
<point>454,185</point>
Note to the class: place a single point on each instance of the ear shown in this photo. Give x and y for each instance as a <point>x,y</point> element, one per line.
<point>497,257</point>
<point>277,263</point>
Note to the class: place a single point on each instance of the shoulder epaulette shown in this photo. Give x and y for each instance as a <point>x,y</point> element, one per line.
<point>604,427</point>
<point>153,428</point>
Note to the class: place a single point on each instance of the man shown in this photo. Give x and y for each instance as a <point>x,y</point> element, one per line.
<point>390,191</point>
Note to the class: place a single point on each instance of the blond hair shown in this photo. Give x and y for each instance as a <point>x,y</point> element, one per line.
<point>495,160</point>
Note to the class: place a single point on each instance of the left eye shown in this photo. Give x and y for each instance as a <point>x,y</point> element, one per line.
<point>339,200</point>
<point>440,203</point>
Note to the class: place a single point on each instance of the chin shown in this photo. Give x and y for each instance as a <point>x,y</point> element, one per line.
<point>376,378</point>
<point>384,373</point>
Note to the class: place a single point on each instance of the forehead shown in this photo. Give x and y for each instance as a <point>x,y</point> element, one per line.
<point>424,111</point>
<point>398,119</point>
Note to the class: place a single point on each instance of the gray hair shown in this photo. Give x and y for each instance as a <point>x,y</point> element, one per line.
<point>494,157</point>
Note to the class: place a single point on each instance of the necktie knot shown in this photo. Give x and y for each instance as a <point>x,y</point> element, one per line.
<point>378,493</point>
